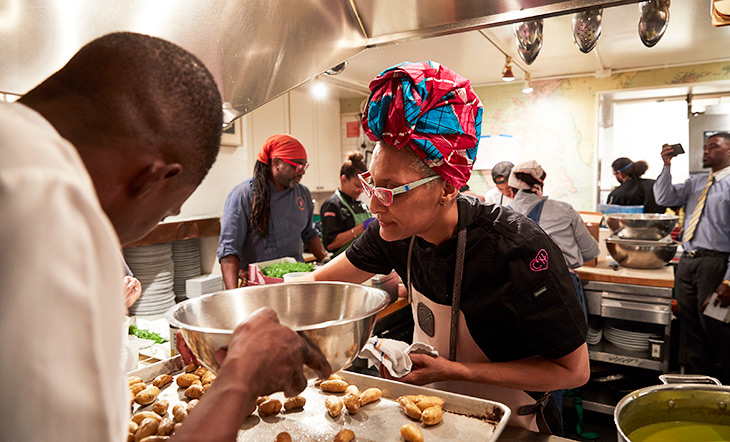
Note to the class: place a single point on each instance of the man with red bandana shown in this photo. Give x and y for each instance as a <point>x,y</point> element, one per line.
<point>269,216</point>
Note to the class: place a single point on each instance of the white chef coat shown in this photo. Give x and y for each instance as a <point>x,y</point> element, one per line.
<point>495,196</point>
<point>61,301</point>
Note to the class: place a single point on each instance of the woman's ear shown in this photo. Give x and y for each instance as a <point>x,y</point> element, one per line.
<point>449,192</point>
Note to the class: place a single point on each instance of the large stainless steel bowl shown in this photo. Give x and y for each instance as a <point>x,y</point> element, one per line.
<point>639,254</point>
<point>646,226</point>
<point>336,317</point>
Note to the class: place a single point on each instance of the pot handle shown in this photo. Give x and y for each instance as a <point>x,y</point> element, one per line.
<point>687,379</point>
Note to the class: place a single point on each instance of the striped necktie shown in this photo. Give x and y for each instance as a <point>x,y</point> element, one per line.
<point>692,226</point>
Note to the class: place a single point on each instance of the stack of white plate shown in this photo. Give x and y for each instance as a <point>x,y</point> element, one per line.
<point>186,257</point>
<point>633,336</point>
<point>154,268</point>
<point>595,333</point>
<point>203,284</point>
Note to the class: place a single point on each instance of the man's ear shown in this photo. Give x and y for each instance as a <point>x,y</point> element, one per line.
<point>153,176</point>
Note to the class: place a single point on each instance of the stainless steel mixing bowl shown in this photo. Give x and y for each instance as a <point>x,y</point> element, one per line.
<point>336,317</point>
<point>640,254</point>
<point>646,226</point>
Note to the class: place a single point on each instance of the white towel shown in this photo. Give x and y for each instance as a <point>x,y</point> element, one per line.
<point>394,354</point>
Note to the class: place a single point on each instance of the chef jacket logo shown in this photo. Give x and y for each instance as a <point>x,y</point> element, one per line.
<point>300,203</point>
<point>540,262</point>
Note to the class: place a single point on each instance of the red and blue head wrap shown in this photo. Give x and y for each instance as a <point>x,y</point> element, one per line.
<point>433,110</point>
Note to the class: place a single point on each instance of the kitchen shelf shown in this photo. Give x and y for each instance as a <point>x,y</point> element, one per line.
<point>605,351</point>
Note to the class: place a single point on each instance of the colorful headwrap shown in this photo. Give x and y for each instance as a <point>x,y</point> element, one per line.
<point>281,146</point>
<point>433,110</point>
<point>531,168</point>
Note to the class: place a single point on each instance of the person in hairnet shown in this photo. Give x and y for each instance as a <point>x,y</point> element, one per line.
<point>517,330</point>
<point>502,194</point>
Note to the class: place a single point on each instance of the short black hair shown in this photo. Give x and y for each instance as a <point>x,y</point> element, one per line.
<point>725,135</point>
<point>149,91</point>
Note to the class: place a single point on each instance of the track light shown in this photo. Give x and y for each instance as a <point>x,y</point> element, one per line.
<point>528,84</point>
<point>507,74</point>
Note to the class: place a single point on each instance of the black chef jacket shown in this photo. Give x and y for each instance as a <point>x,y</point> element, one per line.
<point>336,218</point>
<point>516,305</point>
<point>636,192</point>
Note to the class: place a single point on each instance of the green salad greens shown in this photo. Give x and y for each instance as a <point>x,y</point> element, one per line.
<point>280,269</point>
<point>146,334</point>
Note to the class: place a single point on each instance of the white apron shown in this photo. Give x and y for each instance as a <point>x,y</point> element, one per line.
<point>467,350</point>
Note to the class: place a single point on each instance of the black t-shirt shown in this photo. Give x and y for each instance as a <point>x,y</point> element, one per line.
<point>336,218</point>
<point>636,192</point>
<point>515,304</point>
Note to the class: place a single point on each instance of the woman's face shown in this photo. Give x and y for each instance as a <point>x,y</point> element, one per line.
<point>351,186</point>
<point>412,213</point>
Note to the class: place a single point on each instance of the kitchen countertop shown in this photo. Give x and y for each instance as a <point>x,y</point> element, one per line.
<point>661,277</point>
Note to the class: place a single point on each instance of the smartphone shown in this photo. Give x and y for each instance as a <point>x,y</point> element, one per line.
<point>677,149</point>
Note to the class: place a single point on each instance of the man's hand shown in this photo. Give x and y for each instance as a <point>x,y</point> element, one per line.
<point>426,369</point>
<point>269,356</point>
<point>723,295</point>
<point>132,290</point>
<point>667,154</point>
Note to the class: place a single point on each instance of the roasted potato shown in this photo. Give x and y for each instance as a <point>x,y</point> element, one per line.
<point>136,388</point>
<point>370,395</point>
<point>283,437</point>
<point>192,405</point>
<point>191,367</point>
<point>208,377</point>
<point>179,412</point>
<point>160,407</point>
<point>270,406</point>
<point>200,371</point>
<point>166,427</point>
<point>429,401</point>
<point>344,435</point>
<point>352,402</point>
<point>432,415</point>
<point>261,399</point>
<point>352,389</point>
<point>194,391</point>
<point>133,427</point>
<point>162,380</point>
<point>133,380</point>
<point>334,386</point>
<point>137,418</point>
<point>411,433</point>
<point>333,405</point>
<point>292,403</point>
<point>409,408</point>
<point>147,396</point>
<point>148,427</point>
<point>186,379</point>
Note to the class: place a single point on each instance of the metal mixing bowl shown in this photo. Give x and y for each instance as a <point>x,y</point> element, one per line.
<point>640,254</point>
<point>336,317</point>
<point>646,226</point>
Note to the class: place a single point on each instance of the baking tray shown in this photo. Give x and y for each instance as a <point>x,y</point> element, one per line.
<point>465,418</point>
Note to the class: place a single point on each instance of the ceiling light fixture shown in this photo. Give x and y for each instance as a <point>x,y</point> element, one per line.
<point>319,90</point>
<point>528,84</point>
<point>507,74</point>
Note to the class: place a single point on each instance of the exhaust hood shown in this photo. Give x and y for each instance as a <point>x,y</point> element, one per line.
<point>256,49</point>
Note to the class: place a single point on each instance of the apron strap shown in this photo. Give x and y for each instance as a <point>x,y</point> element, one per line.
<point>456,294</point>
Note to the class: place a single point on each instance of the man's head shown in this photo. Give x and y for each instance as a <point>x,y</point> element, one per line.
<point>528,176</point>
<point>716,152</point>
<point>500,175</point>
<point>145,116</point>
<point>287,160</point>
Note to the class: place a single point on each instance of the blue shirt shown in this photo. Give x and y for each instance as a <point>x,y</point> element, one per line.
<point>290,225</point>
<point>713,229</point>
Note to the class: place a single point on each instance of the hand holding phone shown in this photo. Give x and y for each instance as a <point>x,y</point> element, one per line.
<point>677,149</point>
